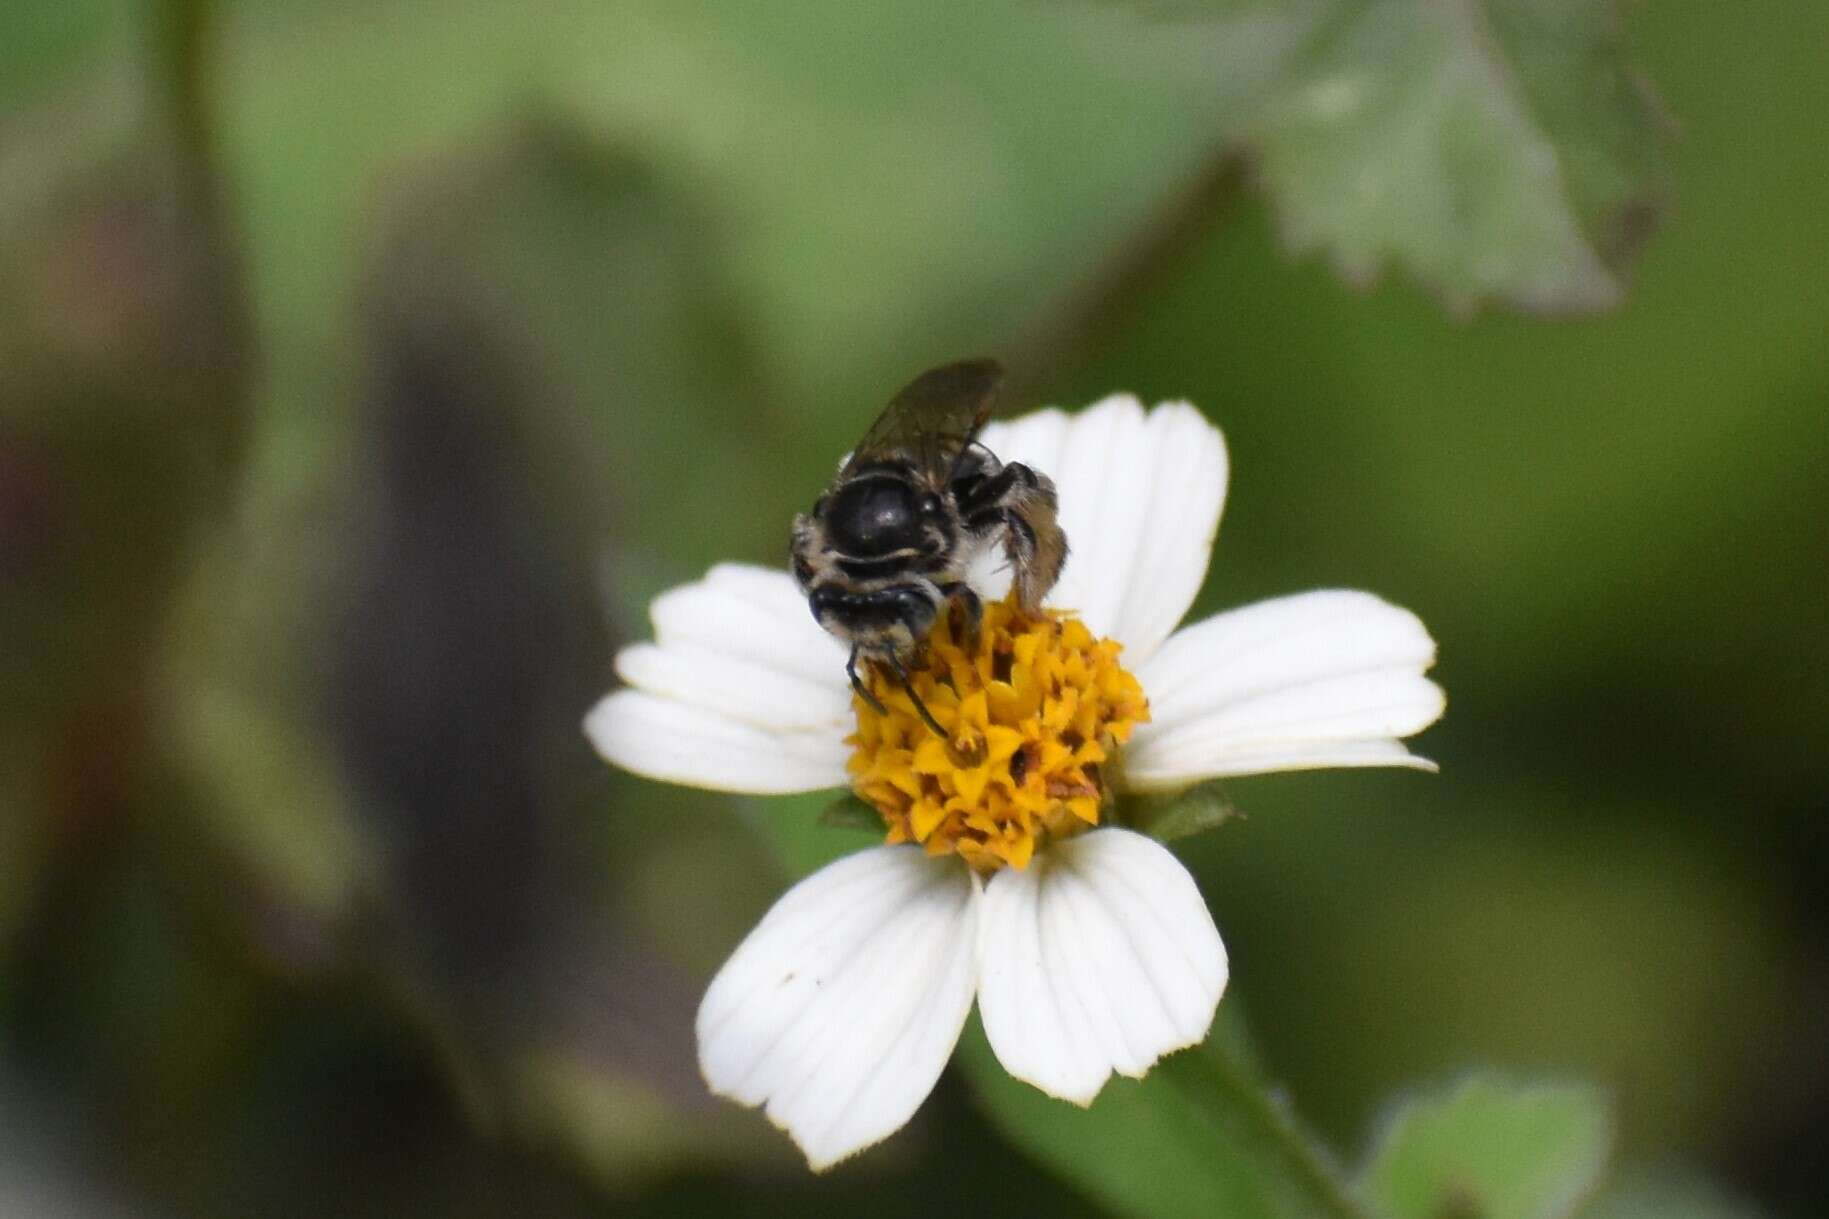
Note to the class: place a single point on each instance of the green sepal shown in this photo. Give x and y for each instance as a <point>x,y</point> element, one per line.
<point>1173,815</point>
<point>849,812</point>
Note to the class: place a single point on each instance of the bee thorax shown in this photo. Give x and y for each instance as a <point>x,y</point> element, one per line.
<point>875,517</point>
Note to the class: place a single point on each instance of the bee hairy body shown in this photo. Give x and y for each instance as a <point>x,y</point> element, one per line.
<point>886,549</point>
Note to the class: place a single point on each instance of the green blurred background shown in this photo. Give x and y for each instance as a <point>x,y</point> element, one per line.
<point>366,367</point>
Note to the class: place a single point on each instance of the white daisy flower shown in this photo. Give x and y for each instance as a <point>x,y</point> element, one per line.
<point>1087,946</point>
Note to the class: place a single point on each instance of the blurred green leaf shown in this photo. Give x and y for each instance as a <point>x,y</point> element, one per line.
<point>1528,928</point>
<point>1488,1149</point>
<point>42,45</point>
<point>797,832</point>
<point>1200,1136</point>
<point>1192,811</point>
<point>1667,1195</point>
<point>618,1125</point>
<point>265,789</point>
<point>878,187</point>
<point>1499,151</point>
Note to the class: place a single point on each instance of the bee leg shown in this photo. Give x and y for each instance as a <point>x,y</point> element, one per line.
<point>961,595</point>
<point>927,716</point>
<point>1019,545</point>
<point>863,691</point>
<point>1008,485</point>
<point>1021,505</point>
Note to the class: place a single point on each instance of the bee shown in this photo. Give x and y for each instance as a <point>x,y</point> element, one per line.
<point>887,546</point>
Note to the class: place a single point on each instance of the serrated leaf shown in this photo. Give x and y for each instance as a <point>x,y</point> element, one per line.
<point>1498,150</point>
<point>1489,1149</point>
<point>1199,1136</point>
<point>848,812</point>
<point>1193,811</point>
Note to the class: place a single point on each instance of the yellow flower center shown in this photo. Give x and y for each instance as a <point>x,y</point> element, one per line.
<point>1034,710</point>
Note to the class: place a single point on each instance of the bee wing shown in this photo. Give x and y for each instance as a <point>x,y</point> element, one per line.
<point>932,420</point>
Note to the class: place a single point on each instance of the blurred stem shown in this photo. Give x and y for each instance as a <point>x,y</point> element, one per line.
<point>1083,321</point>
<point>180,37</point>
<point>1271,1125</point>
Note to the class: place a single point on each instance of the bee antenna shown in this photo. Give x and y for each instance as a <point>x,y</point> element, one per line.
<point>863,691</point>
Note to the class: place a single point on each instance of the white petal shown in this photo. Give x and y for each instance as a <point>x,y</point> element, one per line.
<point>1329,678</point>
<point>1280,756</point>
<point>1099,957</point>
<point>740,690</point>
<point>681,743</point>
<point>737,686</point>
<point>1141,496</point>
<point>1187,493</point>
<point>757,616</point>
<point>1035,439</point>
<point>839,1011</point>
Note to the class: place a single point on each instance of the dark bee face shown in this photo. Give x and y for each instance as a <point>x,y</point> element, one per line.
<point>878,514</point>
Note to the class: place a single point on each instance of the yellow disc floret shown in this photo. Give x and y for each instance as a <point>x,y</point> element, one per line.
<point>1034,709</point>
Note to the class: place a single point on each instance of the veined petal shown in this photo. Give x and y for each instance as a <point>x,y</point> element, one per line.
<point>1141,496</point>
<point>751,690</point>
<point>1101,956</point>
<point>1279,756</point>
<point>682,743</point>
<point>755,615</point>
<point>839,1011</point>
<point>1035,439</point>
<point>1187,494</point>
<point>740,690</point>
<point>1329,678</point>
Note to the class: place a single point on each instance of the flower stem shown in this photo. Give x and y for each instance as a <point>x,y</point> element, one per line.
<point>181,35</point>
<point>1074,328</point>
<point>1259,1117</point>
